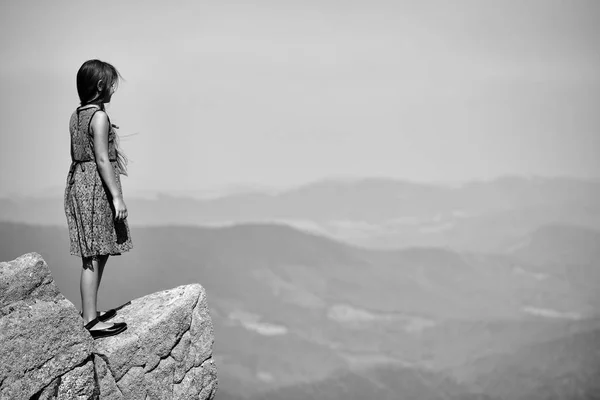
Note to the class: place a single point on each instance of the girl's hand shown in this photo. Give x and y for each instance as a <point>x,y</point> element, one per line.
<point>120,209</point>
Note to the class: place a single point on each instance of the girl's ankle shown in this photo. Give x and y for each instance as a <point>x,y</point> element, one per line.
<point>87,320</point>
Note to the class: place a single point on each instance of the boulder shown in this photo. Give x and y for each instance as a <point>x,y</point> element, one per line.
<point>41,333</point>
<point>166,352</point>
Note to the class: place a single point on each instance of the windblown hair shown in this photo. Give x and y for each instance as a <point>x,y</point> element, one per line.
<point>89,75</point>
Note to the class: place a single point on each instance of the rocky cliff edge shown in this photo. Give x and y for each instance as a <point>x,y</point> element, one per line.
<point>45,353</point>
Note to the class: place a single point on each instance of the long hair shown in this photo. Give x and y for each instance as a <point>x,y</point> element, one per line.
<point>89,75</point>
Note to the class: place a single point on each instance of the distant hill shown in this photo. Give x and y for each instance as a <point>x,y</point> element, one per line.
<point>371,212</point>
<point>560,244</point>
<point>570,253</point>
<point>564,368</point>
<point>291,307</point>
<point>382,383</point>
<point>279,259</point>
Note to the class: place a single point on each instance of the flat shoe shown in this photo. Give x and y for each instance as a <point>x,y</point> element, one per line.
<point>115,329</point>
<point>107,315</point>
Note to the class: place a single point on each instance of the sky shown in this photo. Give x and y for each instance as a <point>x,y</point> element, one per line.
<point>279,93</point>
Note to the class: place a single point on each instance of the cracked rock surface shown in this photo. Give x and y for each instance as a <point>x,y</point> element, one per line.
<point>41,334</point>
<point>166,352</point>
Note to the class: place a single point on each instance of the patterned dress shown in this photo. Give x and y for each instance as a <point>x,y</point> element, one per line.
<point>90,213</point>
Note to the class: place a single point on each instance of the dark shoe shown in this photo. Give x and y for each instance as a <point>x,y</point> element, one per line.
<point>106,316</point>
<point>115,329</point>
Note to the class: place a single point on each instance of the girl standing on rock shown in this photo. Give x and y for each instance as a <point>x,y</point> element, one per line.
<point>94,206</point>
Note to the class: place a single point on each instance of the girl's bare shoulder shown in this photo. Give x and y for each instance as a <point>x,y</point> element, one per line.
<point>100,122</point>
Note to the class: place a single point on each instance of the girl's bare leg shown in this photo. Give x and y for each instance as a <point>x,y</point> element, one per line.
<point>101,263</point>
<point>88,284</point>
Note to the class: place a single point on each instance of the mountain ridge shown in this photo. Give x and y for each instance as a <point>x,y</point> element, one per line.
<point>324,304</point>
<point>380,213</point>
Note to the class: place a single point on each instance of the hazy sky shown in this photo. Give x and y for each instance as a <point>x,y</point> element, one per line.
<point>281,93</point>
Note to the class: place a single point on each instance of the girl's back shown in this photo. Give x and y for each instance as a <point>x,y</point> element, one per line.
<point>88,205</point>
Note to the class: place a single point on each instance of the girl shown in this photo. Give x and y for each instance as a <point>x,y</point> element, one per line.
<point>94,206</point>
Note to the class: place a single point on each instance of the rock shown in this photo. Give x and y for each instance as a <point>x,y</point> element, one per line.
<point>77,384</point>
<point>166,352</point>
<point>41,333</point>
<point>169,338</point>
<point>106,382</point>
<point>26,279</point>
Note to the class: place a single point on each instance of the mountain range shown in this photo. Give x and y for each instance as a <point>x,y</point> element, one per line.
<point>293,309</point>
<point>370,212</point>
<point>302,313</point>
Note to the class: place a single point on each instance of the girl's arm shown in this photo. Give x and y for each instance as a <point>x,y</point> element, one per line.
<point>100,129</point>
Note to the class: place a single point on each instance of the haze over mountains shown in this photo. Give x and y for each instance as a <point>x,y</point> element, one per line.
<point>488,291</point>
<point>377,213</point>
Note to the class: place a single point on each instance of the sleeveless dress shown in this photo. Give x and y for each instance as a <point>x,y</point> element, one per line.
<point>90,213</point>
